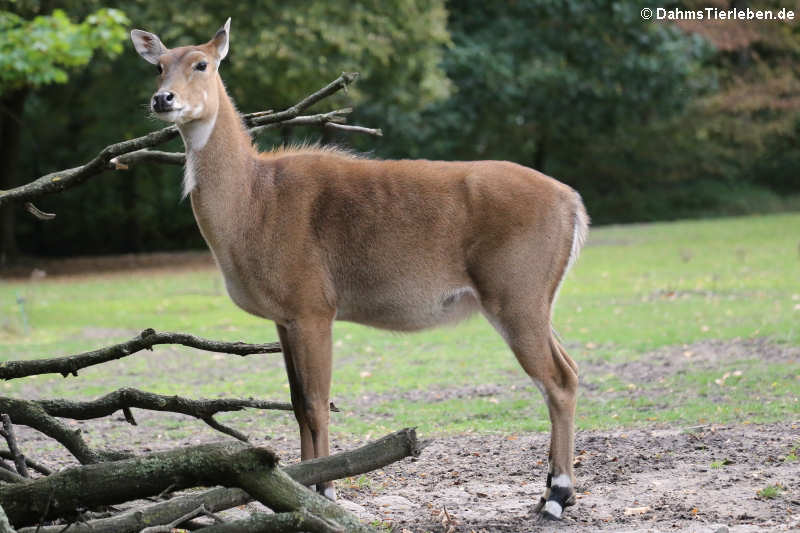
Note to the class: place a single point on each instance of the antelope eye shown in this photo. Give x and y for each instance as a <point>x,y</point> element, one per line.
<point>201,65</point>
<point>160,68</point>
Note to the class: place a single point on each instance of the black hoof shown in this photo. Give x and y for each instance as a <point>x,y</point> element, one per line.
<point>550,517</point>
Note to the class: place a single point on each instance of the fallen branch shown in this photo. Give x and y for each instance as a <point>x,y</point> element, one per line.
<point>389,449</point>
<point>86,487</point>
<point>9,476</point>
<point>67,178</point>
<point>42,469</point>
<point>272,523</point>
<point>33,415</point>
<point>127,398</point>
<point>8,433</point>
<point>230,464</point>
<point>146,340</point>
<point>167,528</point>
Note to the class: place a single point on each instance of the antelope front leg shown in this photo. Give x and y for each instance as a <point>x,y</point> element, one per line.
<point>308,365</point>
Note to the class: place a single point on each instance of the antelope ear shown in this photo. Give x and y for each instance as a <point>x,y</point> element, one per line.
<point>148,45</point>
<point>221,39</point>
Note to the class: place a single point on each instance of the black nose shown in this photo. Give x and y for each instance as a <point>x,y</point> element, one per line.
<point>162,101</point>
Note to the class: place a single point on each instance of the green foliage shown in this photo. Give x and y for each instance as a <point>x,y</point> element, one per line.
<point>281,51</point>
<point>534,74</point>
<point>41,51</point>
<point>649,121</point>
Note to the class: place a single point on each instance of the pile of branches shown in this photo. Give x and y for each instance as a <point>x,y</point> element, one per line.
<point>83,498</point>
<point>80,499</point>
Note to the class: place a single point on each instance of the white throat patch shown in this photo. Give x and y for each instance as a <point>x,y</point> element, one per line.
<point>195,134</point>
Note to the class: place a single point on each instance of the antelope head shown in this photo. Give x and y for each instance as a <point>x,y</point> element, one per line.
<point>188,79</point>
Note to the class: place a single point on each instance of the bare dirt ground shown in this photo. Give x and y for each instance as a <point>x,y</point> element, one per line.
<point>659,478</point>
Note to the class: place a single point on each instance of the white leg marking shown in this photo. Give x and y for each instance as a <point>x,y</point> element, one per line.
<point>561,481</point>
<point>554,508</point>
<point>330,493</point>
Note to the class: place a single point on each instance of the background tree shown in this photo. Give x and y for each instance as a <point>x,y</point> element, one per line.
<point>35,53</point>
<point>279,52</point>
<point>649,120</point>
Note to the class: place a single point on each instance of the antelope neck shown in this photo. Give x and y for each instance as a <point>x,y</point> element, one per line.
<point>216,147</point>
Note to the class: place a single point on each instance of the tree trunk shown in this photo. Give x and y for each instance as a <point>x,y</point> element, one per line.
<point>11,107</point>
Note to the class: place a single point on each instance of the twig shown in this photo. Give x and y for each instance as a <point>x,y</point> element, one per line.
<point>42,469</point>
<point>11,439</point>
<point>280,522</point>
<point>377,132</point>
<point>33,415</point>
<point>333,87</point>
<point>181,519</point>
<point>67,178</point>
<point>213,516</point>
<point>146,340</point>
<point>9,476</point>
<point>320,119</point>
<point>332,120</point>
<point>38,213</point>
<point>122,162</point>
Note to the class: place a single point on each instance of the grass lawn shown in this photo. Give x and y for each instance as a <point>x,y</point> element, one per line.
<point>636,289</point>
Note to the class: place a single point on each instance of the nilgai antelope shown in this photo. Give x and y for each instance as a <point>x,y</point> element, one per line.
<point>305,236</point>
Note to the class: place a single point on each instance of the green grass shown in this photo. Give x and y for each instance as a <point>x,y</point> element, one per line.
<point>770,492</point>
<point>635,289</point>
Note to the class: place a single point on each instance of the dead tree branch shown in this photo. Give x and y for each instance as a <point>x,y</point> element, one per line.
<point>377,132</point>
<point>167,528</point>
<point>8,433</point>
<point>387,450</point>
<point>276,523</point>
<point>331,120</point>
<point>34,415</point>
<point>42,469</point>
<point>9,476</point>
<point>146,340</point>
<point>126,398</point>
<point>230,464</point>
<point>124,161</point>
<point>67,178</point>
